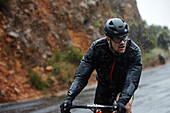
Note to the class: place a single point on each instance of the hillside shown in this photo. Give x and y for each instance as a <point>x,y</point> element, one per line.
<point>32,30</point>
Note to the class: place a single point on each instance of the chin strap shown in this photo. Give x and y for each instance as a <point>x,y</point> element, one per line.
<point>110,44</point>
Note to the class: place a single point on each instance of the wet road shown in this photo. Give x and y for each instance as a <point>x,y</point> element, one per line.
<point>152,96</point>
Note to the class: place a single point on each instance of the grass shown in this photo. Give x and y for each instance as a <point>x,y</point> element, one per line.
<point>36,81</point>
<point>64,66</point>
<point>72,55</point>
<point>68,72</point>
<point>153,55</point>
<point>54,61</point>
<point>97,24</point>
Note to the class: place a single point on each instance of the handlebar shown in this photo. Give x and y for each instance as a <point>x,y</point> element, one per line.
<point>96,107</point>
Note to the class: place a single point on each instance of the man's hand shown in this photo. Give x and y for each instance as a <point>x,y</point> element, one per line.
<point>65,106</point>
<point>121,108</point>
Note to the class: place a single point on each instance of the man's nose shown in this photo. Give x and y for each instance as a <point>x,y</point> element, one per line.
<point>123,41</point>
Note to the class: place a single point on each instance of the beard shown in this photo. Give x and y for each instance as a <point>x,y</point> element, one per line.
<point>113,50</point>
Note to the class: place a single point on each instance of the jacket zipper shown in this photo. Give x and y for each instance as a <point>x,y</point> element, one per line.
<point>111,77</point>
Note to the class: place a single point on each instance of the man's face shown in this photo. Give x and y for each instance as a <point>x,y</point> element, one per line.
<point>119,45</point>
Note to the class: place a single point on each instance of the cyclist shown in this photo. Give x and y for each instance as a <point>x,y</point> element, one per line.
<point>118,64</point>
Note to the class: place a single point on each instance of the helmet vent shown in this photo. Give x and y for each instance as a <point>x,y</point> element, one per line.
<point>111,23</point>
<point>126,26</point>
<point>112,28</point>
<point>120,26</point>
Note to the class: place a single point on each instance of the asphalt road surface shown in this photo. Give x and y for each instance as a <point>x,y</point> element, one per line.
<point>152,96</point>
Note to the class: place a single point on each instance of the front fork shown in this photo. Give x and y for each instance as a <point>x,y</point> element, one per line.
<point>115,107</point>
<point>100,111</point>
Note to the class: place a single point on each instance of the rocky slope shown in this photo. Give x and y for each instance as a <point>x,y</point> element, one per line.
<point>31,30</point>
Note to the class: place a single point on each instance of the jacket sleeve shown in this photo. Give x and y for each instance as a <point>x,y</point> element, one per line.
<point>132,79</point>
<point>83,73</point>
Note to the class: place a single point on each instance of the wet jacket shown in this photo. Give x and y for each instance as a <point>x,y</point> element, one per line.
<point>119,73</point>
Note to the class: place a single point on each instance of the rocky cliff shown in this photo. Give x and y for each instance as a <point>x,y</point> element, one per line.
<point>31,31</point>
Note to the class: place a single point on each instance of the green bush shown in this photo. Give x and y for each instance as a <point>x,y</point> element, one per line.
<point>97,24</point>
<point>164,39</point>
<point>55,58</point>
<point>54,61</point>
<point>56,68</point>
<point>72,55</point>
<point>36,81</point>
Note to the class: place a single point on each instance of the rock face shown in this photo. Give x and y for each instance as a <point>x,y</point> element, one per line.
<point>31,30</point>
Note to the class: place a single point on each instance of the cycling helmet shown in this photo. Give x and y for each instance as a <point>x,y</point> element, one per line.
<point>116,27</point>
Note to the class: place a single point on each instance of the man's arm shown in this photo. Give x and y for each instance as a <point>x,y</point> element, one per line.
<point>132,79</point>
<point>83,73</point>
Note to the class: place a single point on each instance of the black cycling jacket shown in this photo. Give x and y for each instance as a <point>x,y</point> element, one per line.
<point>119,73</point>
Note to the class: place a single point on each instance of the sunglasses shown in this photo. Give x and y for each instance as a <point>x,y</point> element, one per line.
<point>118,39</point>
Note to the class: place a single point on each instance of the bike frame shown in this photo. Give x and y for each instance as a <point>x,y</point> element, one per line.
<point>97,108</point>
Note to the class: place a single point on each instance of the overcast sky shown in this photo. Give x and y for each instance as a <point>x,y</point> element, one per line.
<point>155,12</point>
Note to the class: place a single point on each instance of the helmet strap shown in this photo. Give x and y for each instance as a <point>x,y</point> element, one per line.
<point>112,49</point>
<point>110,44</point>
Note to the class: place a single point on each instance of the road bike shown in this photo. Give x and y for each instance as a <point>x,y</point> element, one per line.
<point>95,108</point>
